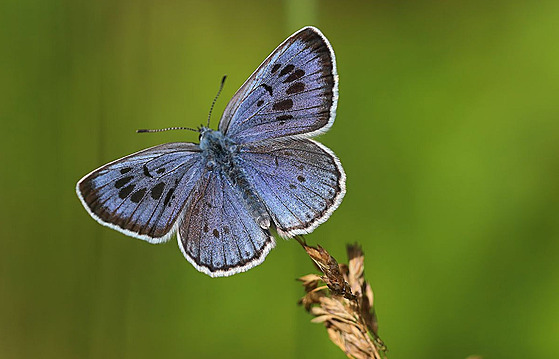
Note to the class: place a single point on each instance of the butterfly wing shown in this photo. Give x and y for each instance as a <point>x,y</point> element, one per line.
<point>300,180</point>
<point>143,194</point>
<point>218,235</point>
<point>293,92</point>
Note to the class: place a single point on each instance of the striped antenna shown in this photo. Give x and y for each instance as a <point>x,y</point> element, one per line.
<point>215,99</point>
<point>167,129</point>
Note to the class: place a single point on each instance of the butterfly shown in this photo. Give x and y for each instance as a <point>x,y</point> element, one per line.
<point>259,171</point>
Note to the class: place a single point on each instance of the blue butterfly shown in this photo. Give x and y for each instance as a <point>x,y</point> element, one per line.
<point>260,170</point>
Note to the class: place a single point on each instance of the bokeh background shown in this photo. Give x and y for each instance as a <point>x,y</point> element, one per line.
<point>447,127</point>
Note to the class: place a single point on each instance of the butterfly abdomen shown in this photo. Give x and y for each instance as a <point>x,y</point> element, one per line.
<point>253,202</point>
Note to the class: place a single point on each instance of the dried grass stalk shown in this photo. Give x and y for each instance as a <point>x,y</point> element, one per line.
<point>342,300</point>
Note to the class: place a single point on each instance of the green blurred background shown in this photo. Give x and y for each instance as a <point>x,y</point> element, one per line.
<point>447,127</point>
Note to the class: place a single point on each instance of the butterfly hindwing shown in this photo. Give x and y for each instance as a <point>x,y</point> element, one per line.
<point>218,235</point>
<point>300,181</point>
<point>293,92</point>
<point>143,194</point>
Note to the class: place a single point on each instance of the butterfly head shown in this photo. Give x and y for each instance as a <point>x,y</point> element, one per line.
<point>215,141</point>
<point>210,138</point>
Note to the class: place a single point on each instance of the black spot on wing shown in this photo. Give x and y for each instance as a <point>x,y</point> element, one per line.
<point>123,193</point>
<point>157,190</point>
<point>284,118</point>
<point>297,74</point>
<point>168,196</point>
<point>292,186</point>
<point>268,88</point>
<point>125,170</point>
<point>283,105</point>
<point>161,170</point>
<point>259,103</point>
<point>295,88</point>
<point>138,195</point>
<point>121,182</point>
<point>146,171</point>
<point>215,233</point>
<point>301,179</point>
<point>275,67</point>
<point>287,69</point>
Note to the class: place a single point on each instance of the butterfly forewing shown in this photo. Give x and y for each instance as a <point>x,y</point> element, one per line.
<point>143,194</point>
<point>300,181</point>
<point>218,235</point>
<point>293,92</point>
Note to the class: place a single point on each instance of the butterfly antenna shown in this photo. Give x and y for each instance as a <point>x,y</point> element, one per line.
<point>166,129</point>
<point>215,99</point>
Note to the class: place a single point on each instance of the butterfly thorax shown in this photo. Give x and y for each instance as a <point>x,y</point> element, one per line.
<point>221,153</point>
